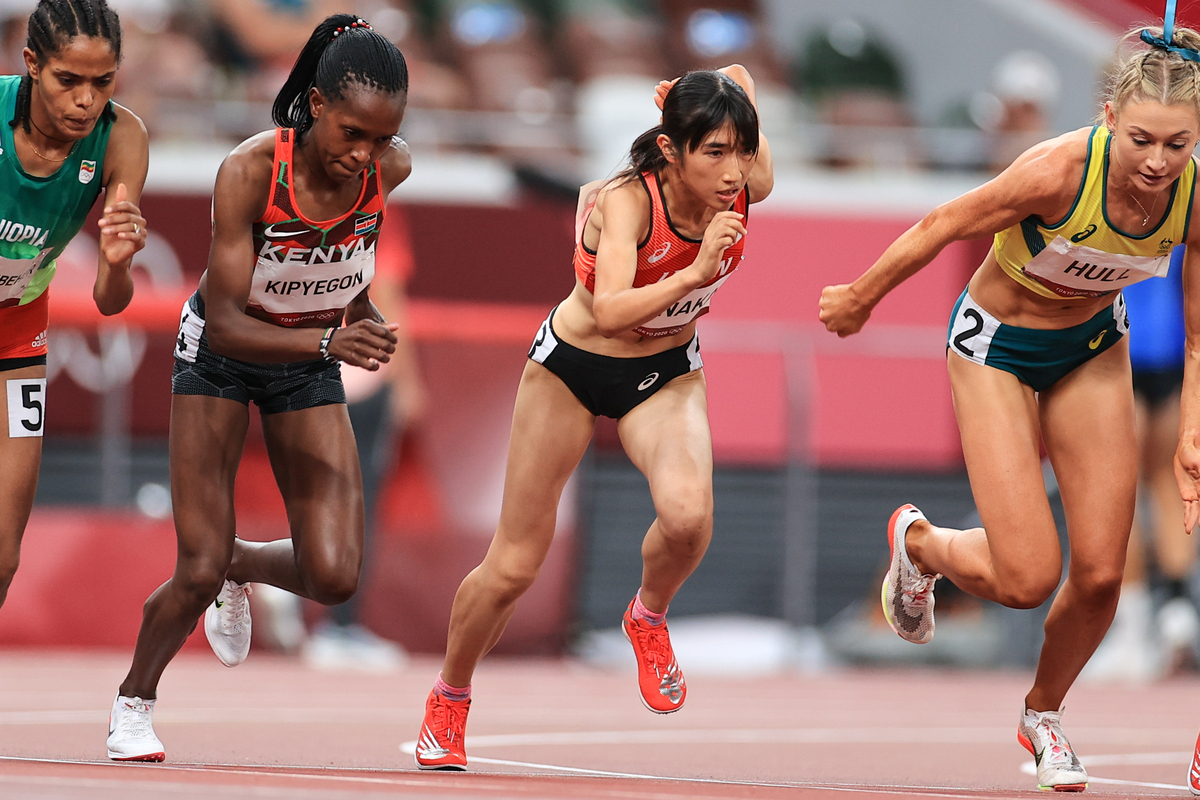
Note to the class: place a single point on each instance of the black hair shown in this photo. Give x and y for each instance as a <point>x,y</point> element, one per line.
<point>52,26</point>
<point>699,103</point>
<point>342,50</point>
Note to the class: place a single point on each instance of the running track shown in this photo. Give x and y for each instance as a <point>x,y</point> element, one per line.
<point>547,729</point>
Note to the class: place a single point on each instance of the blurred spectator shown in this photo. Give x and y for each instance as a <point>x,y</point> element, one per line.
<point>1156,628</point>
<point>1026,85</point>
<point>167,77</point>
<point>614,50</point>
<point>708,34</point>
<point>856,84</point>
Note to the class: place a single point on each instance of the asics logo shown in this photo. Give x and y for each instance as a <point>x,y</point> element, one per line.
<point>659,254</point>
<point>648,382</point>
<point>1085,233</point>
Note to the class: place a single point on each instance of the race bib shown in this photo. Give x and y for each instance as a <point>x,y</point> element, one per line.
<point>15,274</point>
<point>26,407</point>
<point>1074,270</point>
<point>682,311</point>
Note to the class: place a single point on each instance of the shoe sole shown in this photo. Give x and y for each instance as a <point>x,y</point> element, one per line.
<point>641,696</point>
<point>1023,740</point>
<point>441,767</point>
<point>156,757</point>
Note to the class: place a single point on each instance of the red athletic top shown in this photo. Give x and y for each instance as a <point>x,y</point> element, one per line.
<point>308,271</point>
<point>664,252</point>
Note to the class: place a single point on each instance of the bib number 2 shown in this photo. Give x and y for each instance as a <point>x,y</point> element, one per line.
<point>26,407</point>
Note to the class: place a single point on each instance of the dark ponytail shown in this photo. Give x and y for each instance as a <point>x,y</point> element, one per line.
<point>52,26</point>
<point>342,50</point>
<point>699,103</point>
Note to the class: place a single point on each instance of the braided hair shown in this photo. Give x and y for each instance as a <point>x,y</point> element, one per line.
<point>1158,74</point>
<point>699,103</point>
<point>342,50</point>
<point>52,26</point>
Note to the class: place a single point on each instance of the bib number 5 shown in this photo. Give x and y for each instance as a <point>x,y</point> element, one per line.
<point>26,407</point>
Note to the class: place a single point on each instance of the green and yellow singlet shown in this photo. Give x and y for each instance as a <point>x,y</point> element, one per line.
<point>1086,255</point>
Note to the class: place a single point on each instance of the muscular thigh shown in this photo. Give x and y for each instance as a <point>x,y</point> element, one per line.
<point>315,460</point>
<point>550,432</point>
<point>667,437</point>
<point>998,422</point>
<point>1088,426</point>
<point>207,436</point>
<point>24,396</point>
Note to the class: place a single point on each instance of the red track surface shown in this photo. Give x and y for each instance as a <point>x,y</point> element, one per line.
<point>539,729</point>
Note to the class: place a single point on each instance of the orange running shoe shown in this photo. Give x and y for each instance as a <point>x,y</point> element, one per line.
<point>1193,781</point>
<point>440,745</point>
<point>660,680</point>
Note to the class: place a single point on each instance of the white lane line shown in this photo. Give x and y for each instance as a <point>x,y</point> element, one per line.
<point>269,771</point>
<point>1126,759</point>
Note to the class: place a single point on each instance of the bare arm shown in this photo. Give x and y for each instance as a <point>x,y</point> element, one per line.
<point>122,226</point>
<point>1187,456</point>
<point>619,307</point>
<point>1042,182</point>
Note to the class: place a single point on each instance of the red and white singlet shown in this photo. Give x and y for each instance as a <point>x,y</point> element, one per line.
<point>307,272</point>
<point>662,253</point>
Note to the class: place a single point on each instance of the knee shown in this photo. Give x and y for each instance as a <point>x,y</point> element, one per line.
<point>198,581</point>
<point>1096,585</point>
<point>331,584</point>
<point>511,578</point>
<point>1029,591</point>
<point>685,522</point>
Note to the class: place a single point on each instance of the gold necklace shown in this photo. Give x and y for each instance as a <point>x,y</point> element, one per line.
<point>45,157</point>
<point>1145,218</point>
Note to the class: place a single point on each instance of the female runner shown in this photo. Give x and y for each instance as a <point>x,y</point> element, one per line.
<point>1037,356</point>
<point>64,141</point>
<point>652,247</point>
<point>265,325</point>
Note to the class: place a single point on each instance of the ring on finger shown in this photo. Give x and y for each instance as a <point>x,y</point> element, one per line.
<point>136,228</point>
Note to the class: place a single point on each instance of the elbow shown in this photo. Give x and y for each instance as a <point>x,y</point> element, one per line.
<point>605,324</point>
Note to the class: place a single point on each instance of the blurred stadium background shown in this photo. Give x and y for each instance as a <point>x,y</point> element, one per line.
<point>877,110</point>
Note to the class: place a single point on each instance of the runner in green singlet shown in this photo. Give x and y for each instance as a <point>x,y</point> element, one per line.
<point>63,142</point>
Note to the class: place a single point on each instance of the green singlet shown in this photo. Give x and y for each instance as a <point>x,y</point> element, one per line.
<point>39,216</point>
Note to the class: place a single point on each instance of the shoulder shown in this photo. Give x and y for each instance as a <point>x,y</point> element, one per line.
<point>1045,179</point>
<point>623,197</point>
<point>395,165</point>
<point>244,179</point>
<point>252,160</point>
<point>128,138</point>
<point>128,128</point>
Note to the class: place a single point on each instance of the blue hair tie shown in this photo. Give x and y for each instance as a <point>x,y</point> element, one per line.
<point>1183,52</point>
<point>1168,34</point>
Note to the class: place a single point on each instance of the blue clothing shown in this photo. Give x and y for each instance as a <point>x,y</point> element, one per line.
<point>1156,319</point>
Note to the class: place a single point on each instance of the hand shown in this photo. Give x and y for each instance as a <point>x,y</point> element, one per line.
<point>122,229</point>
<point>1187,474</point>
<point>842,311</point>
<point>660,92</point>
<point>365,344</point>
<point>723,230</point>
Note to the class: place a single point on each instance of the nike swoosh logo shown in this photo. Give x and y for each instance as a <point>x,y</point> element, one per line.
<point>270,233</point>
<point>902,617</point>
<point>219,603</point>
<point>1094,343</point>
